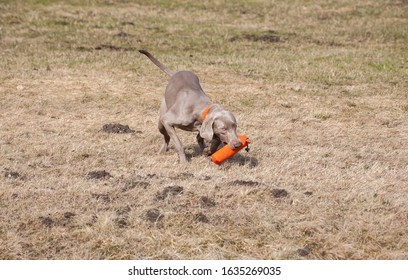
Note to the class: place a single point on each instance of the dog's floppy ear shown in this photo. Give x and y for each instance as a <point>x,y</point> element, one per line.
<point>206,130</point>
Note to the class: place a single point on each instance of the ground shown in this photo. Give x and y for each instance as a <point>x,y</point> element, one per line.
<point>320,87</point>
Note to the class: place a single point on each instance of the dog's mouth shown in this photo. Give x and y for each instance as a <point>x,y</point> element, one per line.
<point>227,143</point>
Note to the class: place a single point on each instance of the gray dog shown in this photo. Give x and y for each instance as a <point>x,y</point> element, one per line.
<point>187,107</point>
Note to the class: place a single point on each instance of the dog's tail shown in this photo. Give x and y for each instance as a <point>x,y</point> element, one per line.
<point>157,63</point>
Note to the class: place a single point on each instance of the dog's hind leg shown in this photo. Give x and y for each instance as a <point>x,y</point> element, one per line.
<point>164,148</point>
<point>162,112</point>
<point>168,125</point>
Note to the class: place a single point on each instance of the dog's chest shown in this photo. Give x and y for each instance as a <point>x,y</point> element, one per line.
<point>189,126</point>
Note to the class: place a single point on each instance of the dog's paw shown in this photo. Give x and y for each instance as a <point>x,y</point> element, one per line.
<point>206,151</point>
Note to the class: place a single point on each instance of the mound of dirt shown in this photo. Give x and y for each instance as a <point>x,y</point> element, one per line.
<point>12,174</point>
<point>105,47</point>
<point>153,215</point>
<point>116,128</point>
<point>201,218</point>
<point>205,201</point>
<point>122,34</point>
<point>113,48</point>
<point>69,215</point>
<point>269,36</point>
<point>101,174</point>
<point>57,220</point>
<point>122,216</point>
<point>245,183</point>
<point>121,222</point>
<point>303,252</point>
<point>278,193</point>
<point>47,221</point>
<point>169,191</point>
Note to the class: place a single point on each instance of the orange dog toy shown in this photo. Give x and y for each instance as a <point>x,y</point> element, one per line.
<point>226,152</point>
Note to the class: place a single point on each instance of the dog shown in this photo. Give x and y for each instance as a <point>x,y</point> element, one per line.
<point>186,106</point>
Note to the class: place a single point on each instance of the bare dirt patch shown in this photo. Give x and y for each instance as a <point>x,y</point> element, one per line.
<point>116,128</point>
<point>201,218</point>
<point>205,201</point>
<point>47,221</point>
<point>69,215</point>
<point>169,191</point>
<point>247,183</point>
<point>269,36</point>
<point>12,174</point>
<point>57,220</point>
<point>99,175</point>
<point>122,219</point>
<point>278,193</point>
<point>303,252</point>
<point>107,47</point>
<point>153,215</point>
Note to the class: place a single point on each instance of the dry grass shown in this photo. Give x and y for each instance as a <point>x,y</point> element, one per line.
<point>319,86</point>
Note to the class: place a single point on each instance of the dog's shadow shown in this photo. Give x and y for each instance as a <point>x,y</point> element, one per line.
<point>241,159</point>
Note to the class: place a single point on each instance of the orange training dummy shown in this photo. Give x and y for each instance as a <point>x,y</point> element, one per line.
<point>226,152</point>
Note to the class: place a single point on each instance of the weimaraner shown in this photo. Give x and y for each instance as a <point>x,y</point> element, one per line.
<point>187,107</point>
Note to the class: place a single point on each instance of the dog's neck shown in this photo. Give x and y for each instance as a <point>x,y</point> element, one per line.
<point>206,110</point>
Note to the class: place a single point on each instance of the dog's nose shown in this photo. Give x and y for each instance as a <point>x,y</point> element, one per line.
<point>234,144</point>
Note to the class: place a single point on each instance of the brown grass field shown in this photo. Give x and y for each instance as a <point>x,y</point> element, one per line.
<point>319,86</point>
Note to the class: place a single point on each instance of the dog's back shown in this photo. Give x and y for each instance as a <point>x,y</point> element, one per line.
<point>184,85</point>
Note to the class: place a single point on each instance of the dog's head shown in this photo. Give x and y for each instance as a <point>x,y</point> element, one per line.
<point>221,124</point>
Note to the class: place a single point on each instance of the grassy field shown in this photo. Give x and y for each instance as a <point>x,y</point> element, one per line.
<point>319,86</point>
